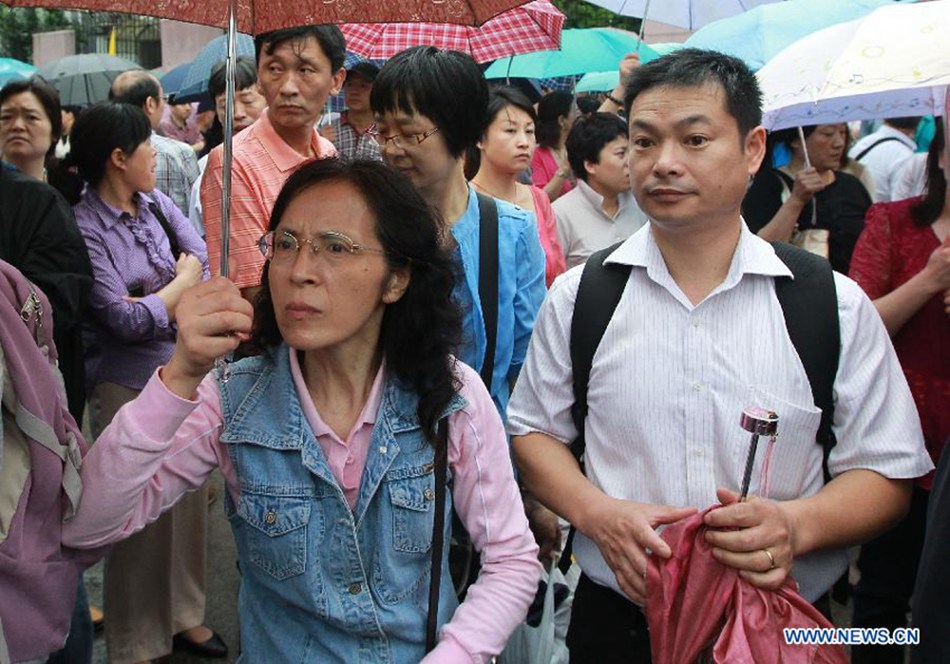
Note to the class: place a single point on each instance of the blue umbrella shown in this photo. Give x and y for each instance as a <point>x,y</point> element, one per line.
<point>194,86</point>
<point>598,81</point>
<point>11,69</point>
<point>172,79</point>
<point>582,50</point>
<point>759,34</point>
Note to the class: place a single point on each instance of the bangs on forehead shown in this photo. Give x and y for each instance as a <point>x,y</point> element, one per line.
<point>401,101</point>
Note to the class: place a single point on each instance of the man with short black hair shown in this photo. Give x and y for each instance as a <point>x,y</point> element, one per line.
<point>600,210</point>
<point>176,166</point>
<point>297,69</point>
<point>350,131</point>
<point>699,335</point>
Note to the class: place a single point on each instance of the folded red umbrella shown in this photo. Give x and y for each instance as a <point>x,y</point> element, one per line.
<point>699,608</point>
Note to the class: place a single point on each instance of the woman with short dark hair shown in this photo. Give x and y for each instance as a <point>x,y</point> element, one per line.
<point>430,107</point>
<point>144,255</point>
<point>502,154</point>
<point>336,441</point>
<point>30,125</point>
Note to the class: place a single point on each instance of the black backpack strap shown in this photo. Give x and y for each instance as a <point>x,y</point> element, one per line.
<point>863,153</point>
<point>438,531</point>
<point>810,305</point>
<point>598,294</point>
<point>172,239</point>
<point>488,279</point>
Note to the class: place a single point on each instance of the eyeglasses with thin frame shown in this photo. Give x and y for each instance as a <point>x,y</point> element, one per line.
<point>399,140</point>
<point>281,247</point>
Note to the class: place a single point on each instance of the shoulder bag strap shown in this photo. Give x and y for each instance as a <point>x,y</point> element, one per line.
<point>861,155</point>
<point>172,239</point>
<point>810,305</point>
<point>488,280</point>
<point>438,531</point>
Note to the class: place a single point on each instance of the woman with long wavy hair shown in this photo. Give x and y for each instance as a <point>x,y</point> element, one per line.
<point>328,439</point>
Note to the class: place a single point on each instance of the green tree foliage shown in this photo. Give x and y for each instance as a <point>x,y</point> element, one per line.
<point>17,26</point>
<point>581,14</point>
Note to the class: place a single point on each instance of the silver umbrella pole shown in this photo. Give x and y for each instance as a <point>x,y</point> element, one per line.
<point>228,135</point>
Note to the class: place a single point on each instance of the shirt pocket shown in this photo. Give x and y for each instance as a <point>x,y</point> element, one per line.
<point>795,463</point>
<point>402,559</point>
<point>277,536</point>
<point>412,496</point>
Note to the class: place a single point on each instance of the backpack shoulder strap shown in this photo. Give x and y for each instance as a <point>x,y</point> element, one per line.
<point>488,279</point>
<point>863,153</point>
<point>598,294</point>
<point>810,304</point>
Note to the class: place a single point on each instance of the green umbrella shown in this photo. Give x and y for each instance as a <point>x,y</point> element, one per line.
<point>598,81</point>
<point>11,69</point>
<point>582,50</point>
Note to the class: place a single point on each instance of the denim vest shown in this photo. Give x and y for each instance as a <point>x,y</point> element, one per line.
<point>322,583</point>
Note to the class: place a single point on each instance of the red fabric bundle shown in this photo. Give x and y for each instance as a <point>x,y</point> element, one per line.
<point>695,603</point>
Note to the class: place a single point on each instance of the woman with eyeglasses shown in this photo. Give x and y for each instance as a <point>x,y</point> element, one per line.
<point>331,440</point>
<point>144,255</point>
<point>430,106</point>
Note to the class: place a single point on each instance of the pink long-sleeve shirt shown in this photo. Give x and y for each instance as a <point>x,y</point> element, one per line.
<point>161,446</point>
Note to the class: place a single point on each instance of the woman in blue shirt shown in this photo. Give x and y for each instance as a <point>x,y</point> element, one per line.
<point>431,105</point>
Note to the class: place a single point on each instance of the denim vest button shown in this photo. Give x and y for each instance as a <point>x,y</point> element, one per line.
<point>270,518</point>
<point>355,588</point>
<point>428,494</point>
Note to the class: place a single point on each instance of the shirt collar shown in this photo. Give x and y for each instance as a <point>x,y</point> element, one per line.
<point>888,131</point>
<point>284,156</point>
<point>110,215</point>
<point>753,255</point>
<point>596,200</point>
<point>367,414</point>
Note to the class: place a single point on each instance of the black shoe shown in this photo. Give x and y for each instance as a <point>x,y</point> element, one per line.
<point>213,647</point>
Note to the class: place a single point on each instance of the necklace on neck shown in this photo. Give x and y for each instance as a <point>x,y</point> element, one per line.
<point>501,198</point>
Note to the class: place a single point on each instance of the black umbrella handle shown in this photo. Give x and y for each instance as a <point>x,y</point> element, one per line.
<point>749,463</point>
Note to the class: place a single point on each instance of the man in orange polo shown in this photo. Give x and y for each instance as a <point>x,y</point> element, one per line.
<point>297,68</point>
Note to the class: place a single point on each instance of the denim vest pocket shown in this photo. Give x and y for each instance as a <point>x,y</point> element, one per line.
<point>402,567</point>
<point>413,500</point>
<point>277,538</point>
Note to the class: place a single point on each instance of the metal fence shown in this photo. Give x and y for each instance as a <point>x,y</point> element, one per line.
<point>137,38</point>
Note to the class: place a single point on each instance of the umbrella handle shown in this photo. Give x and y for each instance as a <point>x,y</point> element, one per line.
<point>814,205</point>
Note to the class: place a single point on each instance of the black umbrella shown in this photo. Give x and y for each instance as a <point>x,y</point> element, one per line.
<point>84,79</point>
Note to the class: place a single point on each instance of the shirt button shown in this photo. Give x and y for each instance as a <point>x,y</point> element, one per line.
<point>428,494</point>
<point>698,387</point>
<point>349,461</point>
<point>382,449</point>
<point>695,323</point>
<point>698,453</point>
<point>355,588</point>
<point>270,518</point>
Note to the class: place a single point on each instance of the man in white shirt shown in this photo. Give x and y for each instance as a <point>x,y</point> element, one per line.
<point>883,153</point>
<point>698,336</point>
<point>600,210</point>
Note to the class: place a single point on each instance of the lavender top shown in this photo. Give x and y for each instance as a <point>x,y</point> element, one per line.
<point>131,256</point>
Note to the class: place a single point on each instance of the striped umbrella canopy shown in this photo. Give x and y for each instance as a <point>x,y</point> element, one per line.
<point>535,26</point>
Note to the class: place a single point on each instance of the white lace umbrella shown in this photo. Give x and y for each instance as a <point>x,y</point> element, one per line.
<point>894,62</point>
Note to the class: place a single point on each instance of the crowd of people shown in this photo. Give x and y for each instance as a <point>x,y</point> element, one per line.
<point>401,358</point>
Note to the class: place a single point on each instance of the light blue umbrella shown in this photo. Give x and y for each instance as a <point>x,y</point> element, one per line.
<point>582,50</point>
<point>11,69</point>
<point>598,81</point>
<point>194,86</point>
<point>759,34</point>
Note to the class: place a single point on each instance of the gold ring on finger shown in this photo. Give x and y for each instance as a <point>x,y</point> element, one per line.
<point>771,559</point>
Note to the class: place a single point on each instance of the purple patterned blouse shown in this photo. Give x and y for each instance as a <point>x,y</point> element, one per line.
<point>131,256</point>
